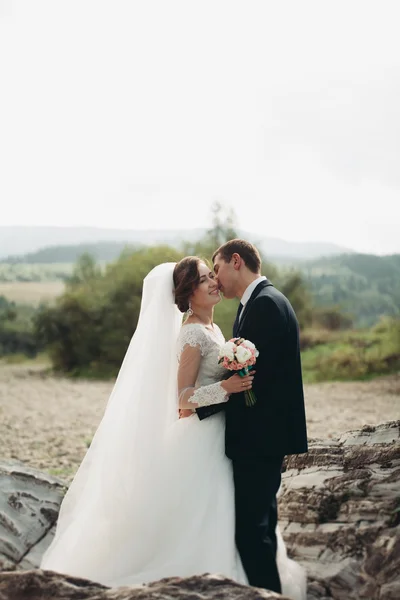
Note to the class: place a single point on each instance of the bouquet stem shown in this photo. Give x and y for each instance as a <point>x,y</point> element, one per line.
<point>249,396</point>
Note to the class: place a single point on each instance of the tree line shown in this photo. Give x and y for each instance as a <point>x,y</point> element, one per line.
<point>86,331</point>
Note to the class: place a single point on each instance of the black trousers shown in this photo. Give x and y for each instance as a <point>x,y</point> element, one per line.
<point>256,485</point>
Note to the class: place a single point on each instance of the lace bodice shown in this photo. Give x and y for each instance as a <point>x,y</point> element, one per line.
<point>208,391</point>
<point>209,343</point>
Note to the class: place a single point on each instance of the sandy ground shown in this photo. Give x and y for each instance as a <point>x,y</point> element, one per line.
<point>48,422</point>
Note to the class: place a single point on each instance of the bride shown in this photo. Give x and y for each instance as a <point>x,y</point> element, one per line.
<point>154,495</point>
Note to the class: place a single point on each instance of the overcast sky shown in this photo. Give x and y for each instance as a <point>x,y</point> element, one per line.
<point>141,113</point>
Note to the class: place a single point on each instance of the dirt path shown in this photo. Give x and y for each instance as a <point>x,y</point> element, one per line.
<point>48,422</point>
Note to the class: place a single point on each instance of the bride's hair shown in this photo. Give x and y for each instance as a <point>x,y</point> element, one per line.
<point>186,279</point>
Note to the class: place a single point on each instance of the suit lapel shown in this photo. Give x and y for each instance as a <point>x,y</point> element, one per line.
<point>254,295</point>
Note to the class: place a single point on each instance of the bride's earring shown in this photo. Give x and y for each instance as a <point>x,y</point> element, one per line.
<point>189,311</point>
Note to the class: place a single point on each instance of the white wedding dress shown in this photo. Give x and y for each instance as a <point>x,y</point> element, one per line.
<point>124,521</point>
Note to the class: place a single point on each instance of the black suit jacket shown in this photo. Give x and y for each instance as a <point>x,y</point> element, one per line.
<point>276,424</point>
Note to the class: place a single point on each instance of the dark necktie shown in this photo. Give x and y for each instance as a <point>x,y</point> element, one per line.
<point>236,323</point>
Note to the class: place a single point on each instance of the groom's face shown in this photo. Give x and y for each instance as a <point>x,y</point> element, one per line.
<point>226,276</point>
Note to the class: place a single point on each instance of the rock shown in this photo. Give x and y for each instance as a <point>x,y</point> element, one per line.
<point>46,585</point>
<point>29,505</point>
<point>339,515</point>
<point>339,512</point>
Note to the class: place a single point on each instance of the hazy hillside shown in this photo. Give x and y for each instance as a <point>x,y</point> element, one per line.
<point>17,241</point>
<point>101,251</point>
<point>364,285</point>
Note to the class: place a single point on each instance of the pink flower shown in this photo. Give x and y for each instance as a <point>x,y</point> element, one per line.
<point>226,363</point>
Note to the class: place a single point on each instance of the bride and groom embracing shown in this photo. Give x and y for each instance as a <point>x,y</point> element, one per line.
<point>182,475</point>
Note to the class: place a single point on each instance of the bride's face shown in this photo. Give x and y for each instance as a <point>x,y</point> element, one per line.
<point>207,293</point>
<point>226,275</point>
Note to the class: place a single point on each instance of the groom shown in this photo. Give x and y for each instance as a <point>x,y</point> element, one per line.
<point>258,437</point>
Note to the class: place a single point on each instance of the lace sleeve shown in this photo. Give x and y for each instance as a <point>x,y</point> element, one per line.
<point>192,347</point>
<point>193,336</point>
<point>208,394</point>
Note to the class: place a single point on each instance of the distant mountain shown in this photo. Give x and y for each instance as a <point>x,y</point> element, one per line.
<point>16,240</point>
<point>20,243</point>
<point>101,251</point>
<point>281,251</point>
<point>364,285</point>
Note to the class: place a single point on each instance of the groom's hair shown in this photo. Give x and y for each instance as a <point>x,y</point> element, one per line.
<point>247,251</point>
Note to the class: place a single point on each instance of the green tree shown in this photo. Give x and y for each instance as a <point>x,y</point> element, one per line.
<point>223,225</point>
<point>223,229</point>
<point>86,271</point>
<point>293,286</point>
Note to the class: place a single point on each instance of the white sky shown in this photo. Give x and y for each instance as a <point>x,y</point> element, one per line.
<point>139,114</point>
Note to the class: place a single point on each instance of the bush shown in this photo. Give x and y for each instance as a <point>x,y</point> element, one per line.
<point>309,338</point>
<point>16,330</point>
<point>331,318</point>
<point>88,330</point>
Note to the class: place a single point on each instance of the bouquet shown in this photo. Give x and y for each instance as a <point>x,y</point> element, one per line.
<point>239,355</point>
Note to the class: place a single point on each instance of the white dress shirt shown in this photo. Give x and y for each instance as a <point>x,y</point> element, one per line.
<point>248,292</point>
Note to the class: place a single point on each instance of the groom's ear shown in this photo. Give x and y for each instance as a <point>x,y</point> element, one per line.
<point>237,261</point>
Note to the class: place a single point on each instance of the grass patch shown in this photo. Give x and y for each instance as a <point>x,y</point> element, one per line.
<point>353,355</point>
<point>41,359</point>
<point>62,472</point>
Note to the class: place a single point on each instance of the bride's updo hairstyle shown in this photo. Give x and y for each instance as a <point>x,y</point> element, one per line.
<point>186,279</point>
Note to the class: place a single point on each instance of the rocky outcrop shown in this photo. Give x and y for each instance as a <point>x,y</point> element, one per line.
<point>29,505</point>
<point>339,515</point>
<point>45,585</point>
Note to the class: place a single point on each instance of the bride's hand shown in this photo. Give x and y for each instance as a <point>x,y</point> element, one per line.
<point>236,384</point>
<point>185,412</point>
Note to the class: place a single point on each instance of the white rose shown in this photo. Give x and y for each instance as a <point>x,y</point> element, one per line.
<point>250,345</point>
<point>228,350</point>
<point>243,354</point>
